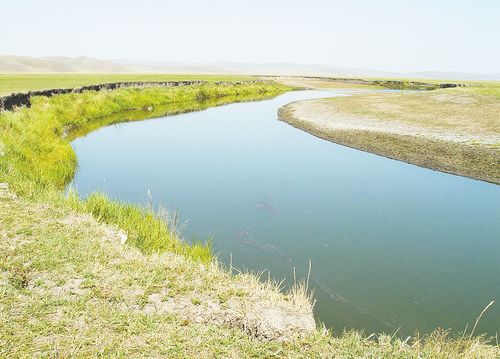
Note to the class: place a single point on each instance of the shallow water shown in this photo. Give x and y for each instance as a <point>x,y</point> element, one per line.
<point>392,245</point>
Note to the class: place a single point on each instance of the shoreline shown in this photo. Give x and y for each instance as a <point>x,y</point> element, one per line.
<point>321,83</point>
<point>397,141</point>
<point>270,314</point>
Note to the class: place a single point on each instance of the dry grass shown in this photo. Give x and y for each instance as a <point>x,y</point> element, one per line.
<point>456,111</point>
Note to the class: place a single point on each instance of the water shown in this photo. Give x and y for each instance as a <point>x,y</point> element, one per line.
<point>392,245</point>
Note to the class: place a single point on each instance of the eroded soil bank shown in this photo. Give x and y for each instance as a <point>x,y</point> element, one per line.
<point>451,131</point>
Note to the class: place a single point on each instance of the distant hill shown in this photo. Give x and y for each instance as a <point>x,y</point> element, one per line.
<point>24,64</point>
<point>290,69</point>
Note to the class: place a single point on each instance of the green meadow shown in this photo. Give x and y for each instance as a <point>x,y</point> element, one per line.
<point>10,83</point>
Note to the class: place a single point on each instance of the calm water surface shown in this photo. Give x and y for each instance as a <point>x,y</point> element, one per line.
<point>392,245</point>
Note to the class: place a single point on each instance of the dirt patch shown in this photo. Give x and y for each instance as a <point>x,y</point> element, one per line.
<point>5,193</point>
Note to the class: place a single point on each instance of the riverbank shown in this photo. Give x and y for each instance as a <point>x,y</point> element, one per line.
<point>449,130</point>
<point>72,286</point>
<point>323,83</point>
<point>37,161</point>
<point>87,276</point>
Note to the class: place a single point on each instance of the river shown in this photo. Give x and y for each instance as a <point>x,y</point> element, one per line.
<point>393,246</point>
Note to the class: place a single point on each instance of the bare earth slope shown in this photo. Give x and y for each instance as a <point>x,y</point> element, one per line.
<point>454,130</point>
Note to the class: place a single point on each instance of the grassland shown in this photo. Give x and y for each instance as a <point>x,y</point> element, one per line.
<point>90,277</point>
<point>454,130</point>
<point>10,83</point>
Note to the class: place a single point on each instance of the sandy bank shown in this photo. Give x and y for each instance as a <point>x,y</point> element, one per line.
<point>378,123</point>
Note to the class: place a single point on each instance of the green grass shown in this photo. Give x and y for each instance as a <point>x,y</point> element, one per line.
<point>27,82</point>
<point>482,88</point>
<point>487,88</point>
<point>145,229</point>
<point>37,158</point>
<point>36,139</point>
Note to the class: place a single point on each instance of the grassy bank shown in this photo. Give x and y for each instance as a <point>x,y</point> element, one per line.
<point>69,288</point>
<point>87,277</point>
<point>450,130</point>
<point>37,159</point>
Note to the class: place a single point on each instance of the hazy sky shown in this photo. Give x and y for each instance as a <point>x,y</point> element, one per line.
<point>398,35</point>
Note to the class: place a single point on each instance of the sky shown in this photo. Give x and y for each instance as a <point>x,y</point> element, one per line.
<point>389,35</point>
